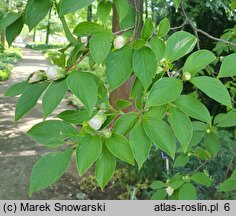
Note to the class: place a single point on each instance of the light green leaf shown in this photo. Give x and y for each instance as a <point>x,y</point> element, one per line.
<point>13,30</point>
<point>78,82</point>
<point>181,161</point>
<point>157,185</point>
<point>213,88</point>
<point>103,10</point>
<point>137,89</point>
<point>164,91</point>
<point>49,169</point>
<point>100,45</point>
<point>229,184</point>
<point>17,89</point>
<point>119,66</point>
<point>122,104</point>
<point>198,61</point>
<point>182,127</point>
<point>140,144</point>
<point>145,65</point>
<point>163,28</point>
<point>161,135</point>
<point>45,131</point>
<point>70,37</point>
<point>156,113</point>
<point>7,19</point>
<point>228,66</point>
<point>201,178</point>
<point>158,47</point>
<point>226,119</point>
<point>147,30</point>
<point>122,8</point>
<point>76,116</point>
<point>29,99</point>
<point>36,11</point>
<point>129,21</point>
<point>125,123</point>
<point>119,146</point>
<point>87,152</point>
<point>69,6</point>
<point>212,143</point>
<point>179,44</point>
<point>193,108</point>
<point>105,167</point>
<point>187,192</point>
<point>159,195</point>
<point>87,28</point>
<point>177,3</point>
<point>53,96</point>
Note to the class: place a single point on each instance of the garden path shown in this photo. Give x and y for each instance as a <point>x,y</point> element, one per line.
<point>18,153</point>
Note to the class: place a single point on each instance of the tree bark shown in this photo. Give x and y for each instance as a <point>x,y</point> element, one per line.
<point>89,13</point>
<point>123,92</point>
<point>48,26</point>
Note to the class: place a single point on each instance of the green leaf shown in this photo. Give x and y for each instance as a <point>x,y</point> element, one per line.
<point>69,6</point>
<point>182,127</point>
<point>36,11</point>
<point>87,152</point>
<point>137,89</point>
<point>13,30</point>
<point>201,178</point>
<point>177,3</point>
<point>87,28</point>
<point>105,167</point>
<point>53,96</point>
<point>129,21</point>
<point>212,143</point>
<point>78,82</point>
<point>228,66</point>
<point>198,61</point>
<point>158,47</point>
<point>159,195</point>
<point>49,169</point>
<point>213,88</point>
<point>164,91</point>
<point>103,10</point>
<point>145,65</point>
<point>157,185</point>
<point>140,144</point>
<point>229,184</point>
<point>76,116</point>
<point>125,123</point>
<point>29,99</point>
<point>148,29</point>
<point>70,37</point>
<point>119,66</point>
<point>122,104</point>
<point>226,119</point>
<point>100,45</point>
<point>163,28</point>
<point>181,161</point>
<point>176,181</point>
<point>179,44</point>
<point>187,192</point>
<point>155,113</point>
<point>161,135</point>
<point>122,8</point>
<point>17,89</point>
<point>193,108</point>
<point>119,146</point>
<point>7,19</point>
<point>45,131</point>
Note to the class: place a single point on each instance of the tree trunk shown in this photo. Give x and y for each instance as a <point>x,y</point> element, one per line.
<point>89,13</point>
<point>123,92</point>
<point>146,9</point>
<point>48,26</point>
<point>34,35</point>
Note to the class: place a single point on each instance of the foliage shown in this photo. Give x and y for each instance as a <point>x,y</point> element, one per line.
<point>7,60</point>
<point>169,110</point>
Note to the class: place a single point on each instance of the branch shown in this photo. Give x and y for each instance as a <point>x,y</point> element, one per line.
<point>123,30</point>
<point>181,26</point>
<point>196,30</point>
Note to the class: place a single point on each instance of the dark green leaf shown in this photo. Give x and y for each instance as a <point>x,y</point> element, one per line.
<point>181,161</point>
<point>158,47</point>
<point>103,10</point>
<point>49,169</point>
<point>226,119</point>
<point>212,143</point>
<point>157,185</point>
<point>187,192</point>
<point>228,66</point>
<point>159,195</point>
<point>87,28</point>
<point>122,8</point>
<point>201,178</point>
<point>148,29</point>
<point>122,104</point>
<point>163,28</point>
<point>17,89</point>
<point>7,19</point>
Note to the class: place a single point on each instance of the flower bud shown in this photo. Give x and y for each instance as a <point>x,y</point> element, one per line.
<point>107,133</point>
<point>169,191</point>
<point>208,131</point>
<point>119,42</point>
<point>97,121</point>
<point>187,76</point>
<point>55,73</point>
<point>37,76</point>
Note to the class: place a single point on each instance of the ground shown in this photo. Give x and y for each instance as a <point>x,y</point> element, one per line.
<point>18,153</point>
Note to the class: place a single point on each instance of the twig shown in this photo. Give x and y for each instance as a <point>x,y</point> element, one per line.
<point>79,60</point>
<point>229,167</point>
<point>123,30</point>
<point>196,30</point>
<point>181,26</point>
